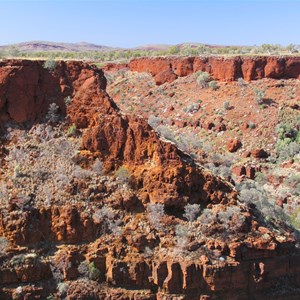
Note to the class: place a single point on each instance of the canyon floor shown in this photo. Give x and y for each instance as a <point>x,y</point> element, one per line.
<point>162,178</point>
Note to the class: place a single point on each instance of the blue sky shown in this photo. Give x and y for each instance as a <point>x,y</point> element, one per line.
<point>129,23</point>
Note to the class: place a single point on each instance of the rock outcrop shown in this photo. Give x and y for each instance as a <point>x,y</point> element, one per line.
<point>166,69</point>
<point>27,88</point>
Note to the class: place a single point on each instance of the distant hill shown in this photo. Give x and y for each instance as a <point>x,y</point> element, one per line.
<point>41,46</point>
<point>153,47</point>
<point>44,46</point>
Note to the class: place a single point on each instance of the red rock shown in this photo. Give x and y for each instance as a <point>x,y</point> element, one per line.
<point>183,66</point>
<point>220,127</point>
<point>292,67</point>
<point>275,67</point>
<point>151,65</point>
<point>200,64</point>
<point>180,123</point>
<point>165,76</point>
<point>233,145</point>
<point>208,125</point>
<point>250,172</point>
<point>114,66</point>
<point>247,154</point>
<point>174,281</point>
<point>239,170</point>
<point>196,123</point>
<point>223,69</point>
<point>253,68</point>
<point>259,153</point>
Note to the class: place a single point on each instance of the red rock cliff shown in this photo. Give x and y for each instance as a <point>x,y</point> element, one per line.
<point>166,69</point>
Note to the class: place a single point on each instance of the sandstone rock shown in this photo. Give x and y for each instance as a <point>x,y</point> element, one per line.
<point>220,127</point>
<point>233,145</point>
<point>259,153</point>
<point>275,67</point>
<point>183,66</point>
<point>239,170</point>
<point>253,68</point>
<point>223,69</point>
<point>165,76</point>
<point>250,172</point>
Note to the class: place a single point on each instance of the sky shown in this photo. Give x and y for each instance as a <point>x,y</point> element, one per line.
<point>130,23</point>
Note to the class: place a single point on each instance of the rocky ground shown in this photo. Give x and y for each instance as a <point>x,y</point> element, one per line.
<point>125,190</point>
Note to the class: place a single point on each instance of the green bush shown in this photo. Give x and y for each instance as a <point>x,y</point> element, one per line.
<point>288,141</point>
<point>259,96</point>
<point>213,85</point>
<point>123,174</point>
<point>226,105</point>
<point>50,65</point>
<point>72,130</point>
<point>203,79</point>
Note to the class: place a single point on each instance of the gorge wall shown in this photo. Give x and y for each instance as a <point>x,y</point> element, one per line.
<point>167,69</point>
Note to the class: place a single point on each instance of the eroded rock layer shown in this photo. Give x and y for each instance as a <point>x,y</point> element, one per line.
<point>167,69</point>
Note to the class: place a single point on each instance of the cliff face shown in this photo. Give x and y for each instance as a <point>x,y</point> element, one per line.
<point>142,261</point>
<point>27,87</point>
<point>167,69</point>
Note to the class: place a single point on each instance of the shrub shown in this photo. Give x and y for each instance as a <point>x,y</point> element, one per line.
<point>123,174</point>
<point>261,178</point>
<point>52,114</point>
<point>81,173</point>
<point>295,219</point>
<point>89,270</point>
<point>154,121</point>
<point>166,133</point>
<point>203,79</point>
<point>62,289</point>
<point>94,272</point>
<point>68,100</point>
<point>226,105</point>
<point>192,108</point>
<point>50,65</point>
<point>156,212</point>
<point>191,211</point>
<point>251,125</point>
<point>72,130</point>
<point>83,269</point>
<point>241,82</point>
<point>207,217</point>
<point>109,219</point>
<point>259,96</point>
<point>213,85</point>
<point>288,141</point>
<point>231,218</point>
<point>3,245</point>
<point>98,167</point>
<point>182,233</point>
